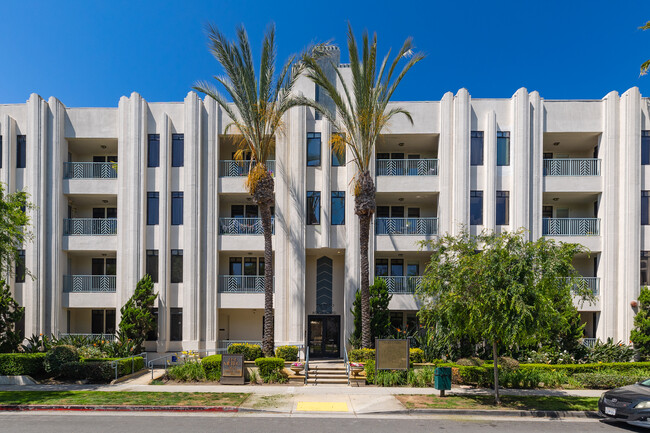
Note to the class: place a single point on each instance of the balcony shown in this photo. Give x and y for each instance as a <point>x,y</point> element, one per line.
<point>89,170</point>
<point>402,285</point>
<point>93,337</point>
<point>407,167</point>
<point>571,226</point>
<point>89,283</point>
<point>407,226</point>
<point>241,283</point>
<point>591,283</point>
<point>243,226</point>
<point>230,168</point>
<point>572,167</point>
<point>90,226</point>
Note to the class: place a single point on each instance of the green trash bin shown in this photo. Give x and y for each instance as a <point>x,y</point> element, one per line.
<point>442,379</point>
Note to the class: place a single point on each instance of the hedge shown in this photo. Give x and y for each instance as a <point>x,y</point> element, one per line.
<point>22,364</point>
<point>271,369</point>
<point>365,355</point>
<point>92,371</point>
<point>250,351</point>
<point>57,356</point>
<point>123,365</point>
<point>212,367</point>
<point>288,353</point>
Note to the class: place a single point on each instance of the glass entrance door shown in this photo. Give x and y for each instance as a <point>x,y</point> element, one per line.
<point>324,336</point>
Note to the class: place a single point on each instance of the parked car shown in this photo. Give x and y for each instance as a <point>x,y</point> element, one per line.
<point>630,404</point>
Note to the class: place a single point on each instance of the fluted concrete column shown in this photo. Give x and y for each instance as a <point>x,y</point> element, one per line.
<point>163,181</point>
<point>191,219</point>
<point>609,214</point>
<point>211,194</point>
<point>520,150</point>
<point>490,171</point>
<point>630,209</point>
<point>352,250</point>
<point>8,170</point>
<point>132,196</point>
<point>537,165</point>
<point>461,161</point>
<point>445,160</point>
<point>57,152</point>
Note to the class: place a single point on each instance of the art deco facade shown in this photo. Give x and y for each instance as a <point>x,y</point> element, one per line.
<point>152,187</point>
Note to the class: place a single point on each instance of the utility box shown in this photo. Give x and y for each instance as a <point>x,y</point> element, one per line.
<point>442,379</point>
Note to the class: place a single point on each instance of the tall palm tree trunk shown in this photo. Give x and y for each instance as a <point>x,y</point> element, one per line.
<point>364,207</point>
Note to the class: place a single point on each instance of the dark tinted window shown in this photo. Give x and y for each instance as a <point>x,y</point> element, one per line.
<point>503,208</point>
<point>381,267</point>
<point>97,322</point>
<point>476,154</point>
<point>152,208</point>
<point>338,158</point>
<point>338,208</point>
<point>313,207</point>
<point>20,267</point>
<point>176,324</point>
<point>153,334</point>
<point>177,266</point>
<point>397,267</point>
<point>645,147</point>
<point>153,150</point>
<point>152,264</point>
<point>21,151</point>
<point>476,207</point>
<point>645,268</point>
<point>503,148</point>
<point>177,208</point>
<point>178,149</point>
<point>109,328</point>
<point>645,207</point>
<point>313,149</point>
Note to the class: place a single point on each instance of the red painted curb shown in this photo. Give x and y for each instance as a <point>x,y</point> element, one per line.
<point>19,408</point>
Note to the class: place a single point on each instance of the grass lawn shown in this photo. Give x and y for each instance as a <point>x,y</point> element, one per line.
<point>122,398</point>
<point>507,402</point>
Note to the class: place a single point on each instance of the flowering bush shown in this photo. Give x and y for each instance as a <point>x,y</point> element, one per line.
<point>298,364</point>
<point>356,364</point>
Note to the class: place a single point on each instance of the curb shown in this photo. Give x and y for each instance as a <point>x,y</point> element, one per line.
<point>116,408</point>
<point>554,414</point>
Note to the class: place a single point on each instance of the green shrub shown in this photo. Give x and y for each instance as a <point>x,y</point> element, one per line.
<point>606,380</point>
<point>190,371</point>
<point>288,353</point>
<point>472,361</point>
<point>212,367</point>
<point>18,364</point>
<point>508,363</point>
<point>250,351</point>
<point>369,369</point>
<point>123,365</point>
<point>572,369</point>
<point>93,371</point>
<point>480,376</point>
<point>416,355</point>
<point>361,355</point>
<point>421,377</point>
<point>271,369</point>
<point>391,378</point>
<point>532,378</point>
<point>609,352</point>
<point>59,355</point>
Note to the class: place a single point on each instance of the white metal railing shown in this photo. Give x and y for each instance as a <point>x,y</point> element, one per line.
<point>241,283</point>
<point>89,226</point>
<point>107,337</point>
<point>571,226</point>
<point>406,226</point>
<point>589,342</point>
<point>89,170</point>
<point>591,283</point>
<point>224,344</point>
<point>399,284</point>
<point>572,167</point>
<point>231,168</point>
<point>407,167</point>
<point>243,226</point>
<point>89,283</point>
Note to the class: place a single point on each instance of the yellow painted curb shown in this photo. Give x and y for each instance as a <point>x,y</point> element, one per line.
<point>317,406</point>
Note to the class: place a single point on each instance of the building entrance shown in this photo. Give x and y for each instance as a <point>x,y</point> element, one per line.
<point>324,336</point>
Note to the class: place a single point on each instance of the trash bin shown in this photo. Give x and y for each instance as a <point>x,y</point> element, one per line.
<point>442,377</point>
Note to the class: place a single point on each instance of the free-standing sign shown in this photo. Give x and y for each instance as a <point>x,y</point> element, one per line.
<point>232,369</point>
<point>391,354</point>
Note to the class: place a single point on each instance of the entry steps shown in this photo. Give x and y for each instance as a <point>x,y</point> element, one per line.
<point>327,373</point>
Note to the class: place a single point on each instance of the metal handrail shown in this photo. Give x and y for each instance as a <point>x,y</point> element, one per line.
<point>115,362</point>
<point>89,170</point>
<point>241,284</point>
<point>150,364</point>
<point>306,363</point>
<point>572,167</point>
<point>347,362</point>
<point>406,226</point>
<point>570,226</point>
<point>233,168</point>
<point>402,284</point>
<point>89,226</point>
<point>243,226</point>
<point>407,167</point>
<point>89,283</point>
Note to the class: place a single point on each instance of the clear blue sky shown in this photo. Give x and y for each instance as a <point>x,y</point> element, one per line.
<point>91,52</point>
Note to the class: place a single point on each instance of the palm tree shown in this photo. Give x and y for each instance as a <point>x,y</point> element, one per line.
<point>361,113</point>
<point>258,105</point>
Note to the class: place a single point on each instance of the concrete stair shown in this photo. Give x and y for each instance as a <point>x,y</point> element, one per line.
<point>327,373</point>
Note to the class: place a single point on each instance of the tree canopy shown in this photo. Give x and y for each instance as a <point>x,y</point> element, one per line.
<point>137,314</point>
<point>14,228</point>
<point>379,313</point>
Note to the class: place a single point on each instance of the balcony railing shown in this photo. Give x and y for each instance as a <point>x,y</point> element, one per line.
<point>89,226</point>
<point>229,168</point>
<point>396,284</point>
<point>591,283</point>
<point>243,226</point>
<point>241,283</point>
<point>407,226</point>
<point>407,167</point>
<point>572,167</point>
<point>107,337</point>
<point>89,170</point>
<point>589,342</point>
<point>89,283</point>
<point>571,226</point>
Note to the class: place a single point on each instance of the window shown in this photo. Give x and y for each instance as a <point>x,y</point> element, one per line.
<point>152,264</point>
<point>645,147</point>
<point>177,266</point>
<point>177,208</point>
<point>153,334</point>
<point>397,267</point>
<point>20,267</point>
<point>503,148</point>
<point>381,267</point>
<point>313,207</point>
<point>338,208</point>
<point>476,207</point>
<point>317,115</point>
<point>645,208</point>
<point>152,208</point>
<point>338,158</point>
<point>178,148</point>
<point>102,321</point>
<point>153,150</point>
<point>313,149</point>
<point>476,154</point>
<point>176,324</point>
<point>21,151</point>
<point>503,208</point>
<point>645,268</point>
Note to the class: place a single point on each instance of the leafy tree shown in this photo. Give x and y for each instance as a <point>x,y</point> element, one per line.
<point>379,312</point>
<point>498,288</point>
<point>361,114</point>
<point>137,314</point>
<point>256,111</point>
<point>10,314</point>
<point>14,230</point>
<point>640,335</point>
<point>646,65</point>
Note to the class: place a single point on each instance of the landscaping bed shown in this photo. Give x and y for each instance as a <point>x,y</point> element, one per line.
<point>508,402</point>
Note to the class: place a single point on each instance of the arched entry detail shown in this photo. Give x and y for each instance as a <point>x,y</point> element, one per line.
<point>324,286</point>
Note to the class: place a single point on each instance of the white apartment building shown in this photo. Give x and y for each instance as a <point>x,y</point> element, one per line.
<point>152,187</point>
